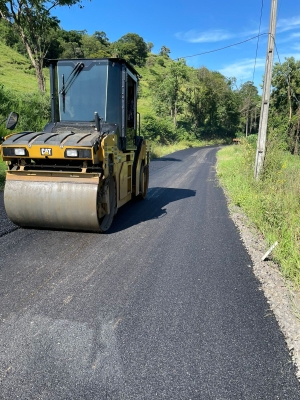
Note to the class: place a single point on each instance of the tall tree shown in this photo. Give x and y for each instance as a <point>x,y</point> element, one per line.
<point>32,20</point>
<point>71,43</point>
<point>249,108</point>
<point>285,99</point>
<point>102,38</point>
<point>150,46</point>
<point>286,86</point>
<point>102,48</point>
<point>132,47</point>
<point>169,92</point>
<point>164,51</point>
<point>212,104</point>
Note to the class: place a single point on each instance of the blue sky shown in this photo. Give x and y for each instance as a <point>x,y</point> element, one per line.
<point>189,27</point>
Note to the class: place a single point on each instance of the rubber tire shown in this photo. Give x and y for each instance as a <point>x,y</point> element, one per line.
<point>106,221</point>
<point>144,182</point>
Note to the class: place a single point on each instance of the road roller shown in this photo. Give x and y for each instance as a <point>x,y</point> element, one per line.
<point>89,160</point>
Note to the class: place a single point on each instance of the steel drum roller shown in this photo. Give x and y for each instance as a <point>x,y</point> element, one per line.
<point>60,205</point>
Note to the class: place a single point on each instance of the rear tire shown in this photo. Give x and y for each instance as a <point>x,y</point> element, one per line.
<point>144,182</point>
<point>106,221</point>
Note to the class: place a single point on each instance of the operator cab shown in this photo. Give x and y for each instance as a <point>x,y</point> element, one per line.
<point>108,86</point>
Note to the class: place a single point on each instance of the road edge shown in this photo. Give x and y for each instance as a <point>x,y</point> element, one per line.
<point>283,299</point>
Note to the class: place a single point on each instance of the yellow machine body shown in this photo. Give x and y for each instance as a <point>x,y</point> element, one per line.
<point>76,174</point>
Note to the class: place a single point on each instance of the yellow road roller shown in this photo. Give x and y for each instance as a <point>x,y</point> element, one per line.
<point>89,160</point>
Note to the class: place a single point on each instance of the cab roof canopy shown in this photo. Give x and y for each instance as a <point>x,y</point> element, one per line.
<point>112,59</point>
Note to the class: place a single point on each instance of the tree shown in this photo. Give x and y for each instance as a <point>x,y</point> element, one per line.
<point>285,99</point>
<point>150,46</point>
<point>286,86</point>
<point>9,36</point>
<point>169,91</point>
<point>102,38</point>
<point>164,51</point>
<point>212,104</point>
<point>249,106</point>
<point>102,48</point>
<point>133,48</point>
<point>71,43</point>
<point>32,20</point>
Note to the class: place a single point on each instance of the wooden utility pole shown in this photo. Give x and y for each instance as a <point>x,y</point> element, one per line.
<point>263,122</point>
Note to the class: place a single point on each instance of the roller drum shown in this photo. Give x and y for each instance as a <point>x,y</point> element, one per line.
<point>58,205</point>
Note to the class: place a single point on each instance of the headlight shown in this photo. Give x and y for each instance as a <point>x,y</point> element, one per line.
<point>20,152</point>
<point>80,153</point>
<point>14,152</point>
<point>71,153</point>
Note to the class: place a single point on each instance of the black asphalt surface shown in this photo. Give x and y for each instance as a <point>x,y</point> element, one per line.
<point>163,306</point>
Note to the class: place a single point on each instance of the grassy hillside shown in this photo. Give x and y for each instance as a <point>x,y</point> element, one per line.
<point>154,68</point>
<point>18,78</point>
<point>16,72</point>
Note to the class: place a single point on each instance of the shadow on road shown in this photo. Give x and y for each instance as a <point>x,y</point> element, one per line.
<point>152,207</point>
<point>131,213</point>
<point>165,159</point>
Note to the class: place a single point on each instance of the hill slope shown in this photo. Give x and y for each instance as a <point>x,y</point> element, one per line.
<point>16,72</point>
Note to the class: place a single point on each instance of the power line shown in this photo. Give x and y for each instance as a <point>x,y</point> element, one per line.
<point>261,11</point>
<point>222,48</point>
<point>276,50</point>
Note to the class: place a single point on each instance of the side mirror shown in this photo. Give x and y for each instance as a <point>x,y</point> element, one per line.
<point>12,120</point>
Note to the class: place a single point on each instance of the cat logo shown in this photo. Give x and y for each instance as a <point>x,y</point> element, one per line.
<point>46,152</point>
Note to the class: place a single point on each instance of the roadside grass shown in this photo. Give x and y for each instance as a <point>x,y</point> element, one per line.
<point>272,203</point>
<point>158,150</point>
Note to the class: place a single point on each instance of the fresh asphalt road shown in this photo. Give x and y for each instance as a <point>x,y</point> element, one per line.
<point>163,306</point>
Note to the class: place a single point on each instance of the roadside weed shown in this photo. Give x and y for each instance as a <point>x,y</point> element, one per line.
<point>272,203</point>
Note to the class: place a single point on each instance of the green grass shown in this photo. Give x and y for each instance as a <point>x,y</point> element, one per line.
<point>159,150</point>
<point>272,203</point>
<point>16,71</point>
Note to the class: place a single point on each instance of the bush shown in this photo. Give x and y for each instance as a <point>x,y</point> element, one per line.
<point>252,140</point>
<point>35,111</point>
<point>150,61</point>
<point>158,130</point>
<point>161,61</point>
<point>33,108</point>
<point>163,131</point>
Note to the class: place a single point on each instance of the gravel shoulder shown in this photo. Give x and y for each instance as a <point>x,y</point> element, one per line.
<point>283,299</point>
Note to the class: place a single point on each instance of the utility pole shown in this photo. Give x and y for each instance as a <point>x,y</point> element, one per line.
<point>263,122</point>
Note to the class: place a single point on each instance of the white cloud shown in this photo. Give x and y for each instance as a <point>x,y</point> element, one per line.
<point>217,35</point>
<point>242,70</point>
<point>295,35</point>
<point>288,24</point>
<point>288,38</point>
<point>209,36</point>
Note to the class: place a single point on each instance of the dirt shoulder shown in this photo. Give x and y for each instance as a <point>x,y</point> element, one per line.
<point>284,301</point>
